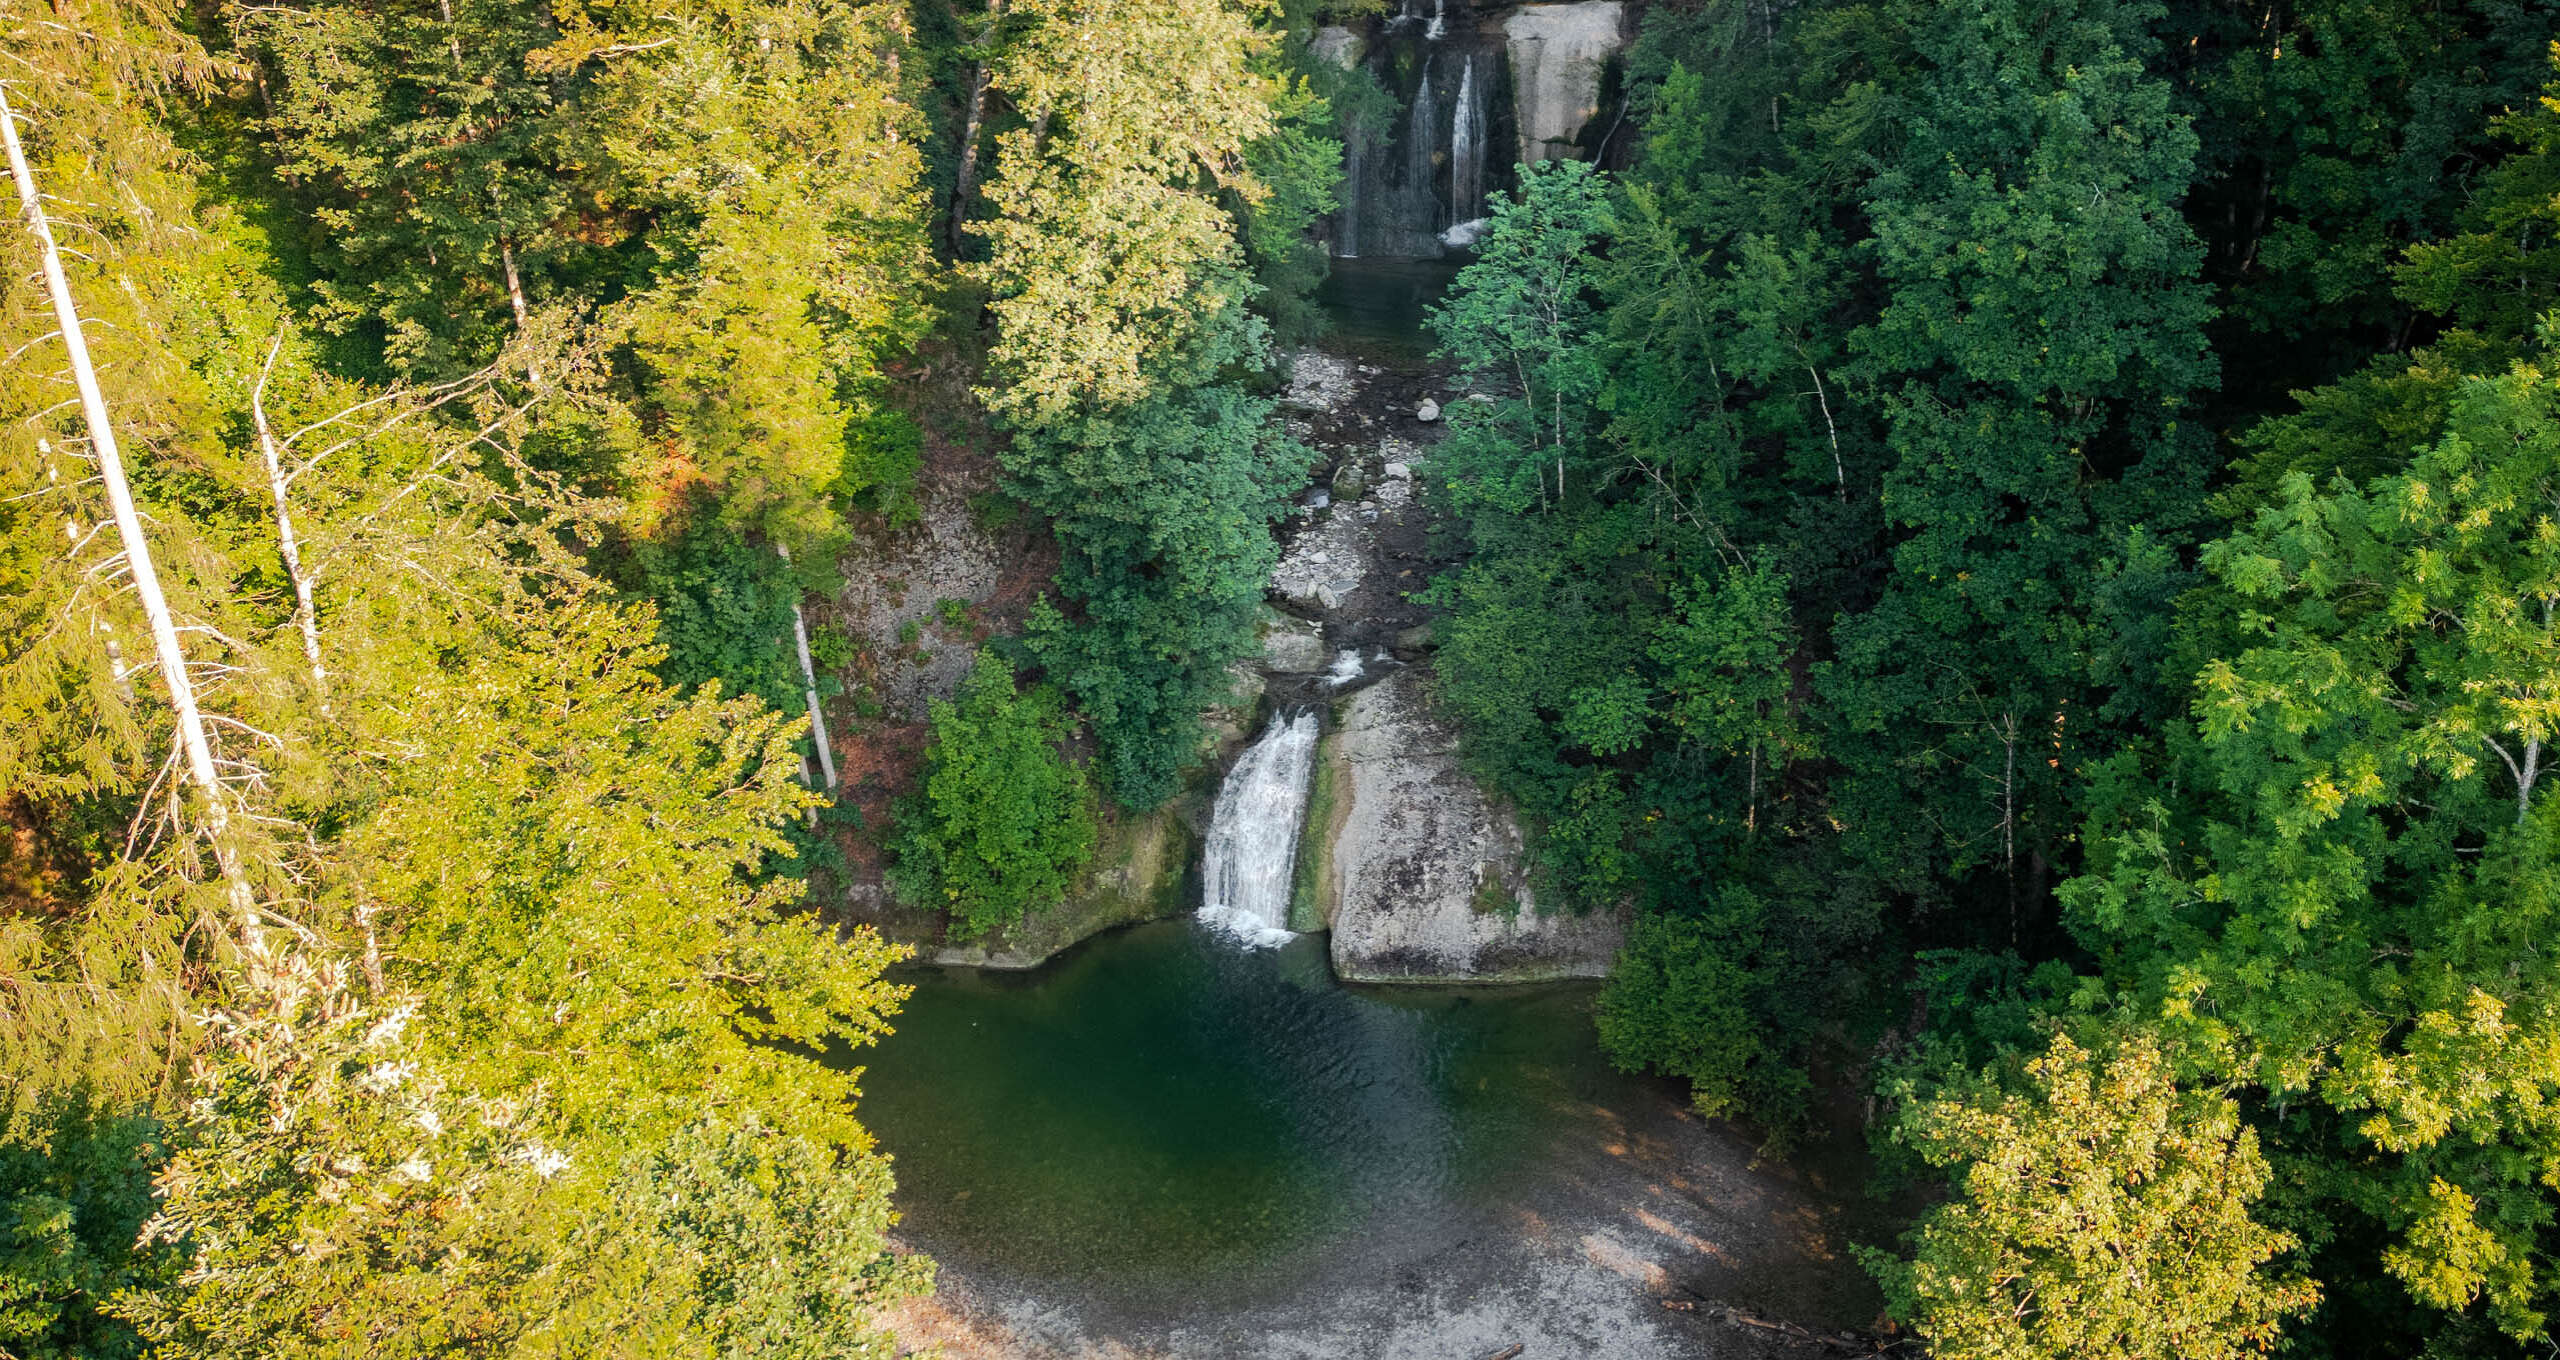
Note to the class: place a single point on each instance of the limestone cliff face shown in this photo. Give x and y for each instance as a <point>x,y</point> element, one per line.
<point>1559,54</point>
<point>1417,872</point>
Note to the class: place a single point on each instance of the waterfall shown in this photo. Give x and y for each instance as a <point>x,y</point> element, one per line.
<point>1439,21</point>
<point>1422,138</point>
<point>1355,164</point>
<point>1466,152</point>
<point>1248,866</point>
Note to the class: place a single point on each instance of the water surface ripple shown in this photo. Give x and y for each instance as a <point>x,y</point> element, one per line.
<point>1163,1111</point>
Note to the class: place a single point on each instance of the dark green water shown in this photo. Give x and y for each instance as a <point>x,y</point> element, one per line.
<point>1379,307</point>
<point>1161,1113</point>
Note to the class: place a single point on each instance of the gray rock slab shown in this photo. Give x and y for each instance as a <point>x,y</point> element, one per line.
<point>1423,871</point>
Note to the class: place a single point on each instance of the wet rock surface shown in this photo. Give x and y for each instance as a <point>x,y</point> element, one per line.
<point>1418,872</point>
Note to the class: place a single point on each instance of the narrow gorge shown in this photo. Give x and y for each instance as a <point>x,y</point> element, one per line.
<point>1251,1149</point>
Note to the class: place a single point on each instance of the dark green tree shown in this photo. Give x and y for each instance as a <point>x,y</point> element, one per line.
<point>1002,824</point>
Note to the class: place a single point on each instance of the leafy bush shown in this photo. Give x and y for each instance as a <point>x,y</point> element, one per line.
<point>724,610</point>
<point>75,1187</point>
<point>1002,823</point>
<point>883,452</point>
<point>1164,512</point>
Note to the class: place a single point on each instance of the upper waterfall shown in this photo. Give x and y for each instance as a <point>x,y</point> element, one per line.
<point>1478,86</point>
<point>1466,148</point>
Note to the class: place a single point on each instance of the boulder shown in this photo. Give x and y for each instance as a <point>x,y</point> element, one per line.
<point>1292,646</point>
<point>1338,45</point>
<point>1557,55</point>
<point>1350,483</point>
<point>1397,472</point>
<point>1429,411</point>
<point>1323,564</point>
<point>1415,639</point>
<point>1418,872</point>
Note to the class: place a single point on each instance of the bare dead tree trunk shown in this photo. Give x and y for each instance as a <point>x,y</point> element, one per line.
<point>306,614</point>
<point>809,680</point>
<point>1751,808</point>
<point>452,36</point>
<point>515,282</point>
<point>2009,815</point>
<point>973,114</point>
<point>1839,471</point>
<point>146,577</point>
<point>2526,772</point>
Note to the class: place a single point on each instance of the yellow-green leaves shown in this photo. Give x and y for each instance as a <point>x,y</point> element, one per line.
<point>1110,255</point>
<point>2104,1215</point>
<point>2451,1262</point>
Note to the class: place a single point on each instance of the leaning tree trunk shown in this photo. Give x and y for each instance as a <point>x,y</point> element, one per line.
<point>137,549</point>
<point>973,114</point>
<point>809,681</point>
<point>306,613</point>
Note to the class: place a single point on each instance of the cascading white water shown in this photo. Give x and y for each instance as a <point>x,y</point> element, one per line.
<point>1355,165</point>
<point>1466,152</point>
<point>1439,21</point>
<point>1247,868</point>
<point>1421,140</point>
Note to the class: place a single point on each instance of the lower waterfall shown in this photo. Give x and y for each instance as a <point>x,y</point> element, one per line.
<point>1247,868</point>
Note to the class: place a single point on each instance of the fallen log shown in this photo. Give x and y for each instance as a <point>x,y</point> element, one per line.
<point>1844,1343</point>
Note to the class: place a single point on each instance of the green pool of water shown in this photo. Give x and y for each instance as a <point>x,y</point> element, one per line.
<point>1162,1112</point>
<point>1379,308</point>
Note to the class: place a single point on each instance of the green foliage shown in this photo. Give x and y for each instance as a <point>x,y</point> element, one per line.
<point>1164,514</point>
<point>1119,294</point>
<point>75,1188</point>
<point>517,962</point>
<point>2103,1213</point>
<point>1112,272</point>
<point>1522,315</point>
<point>729,190</point>
<point>2335,134</point>
<point>1299,169</point>
<point>2331,892</point>
<point>724,609</point>
<point>1682,1002</point>
<point>339,1183</point>
<point>1001,824</point>
<point>2040,335</point>
<point>2489,278</point>
<point>883,452</point>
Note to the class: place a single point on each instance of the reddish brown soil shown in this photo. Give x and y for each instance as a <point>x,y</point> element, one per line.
<point>879,759</point>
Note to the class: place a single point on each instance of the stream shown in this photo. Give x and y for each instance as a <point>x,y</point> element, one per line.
<point>1189,1138</point>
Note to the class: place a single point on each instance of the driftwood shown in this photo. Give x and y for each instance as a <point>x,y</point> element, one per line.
<point>1842,1343</point>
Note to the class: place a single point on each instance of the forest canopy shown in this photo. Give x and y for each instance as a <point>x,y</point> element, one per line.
<point>2016,540</point>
